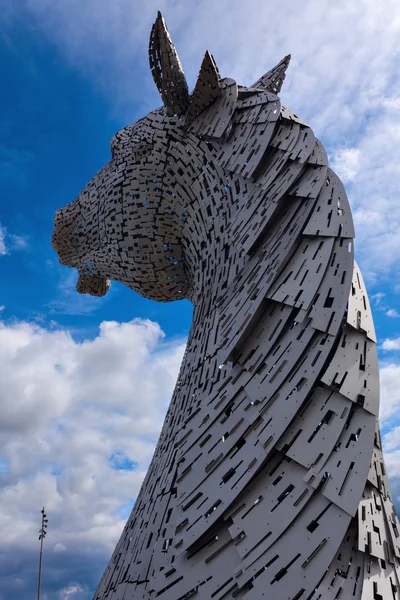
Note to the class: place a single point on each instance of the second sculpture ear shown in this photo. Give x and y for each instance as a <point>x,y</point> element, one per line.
<point>273,80</point>
<point>206,89</point>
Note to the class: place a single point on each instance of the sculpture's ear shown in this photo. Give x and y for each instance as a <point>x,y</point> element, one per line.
<point>167,70</point>
<point>273,80</point>
<point>206,89</point>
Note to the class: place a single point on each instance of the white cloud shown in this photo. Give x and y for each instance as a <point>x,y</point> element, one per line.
<point>374,194</point>
<point>18,242</point>
<point>390,425</point>
<point>68,408</point>
<point>390,394</point>
<point>392,463</point>
<point>391,440</point>
<point>379,304</point>
<point>3,249</point>
<point>377,299</point>
<point>346,163</point>
<point>392,103</point>
<point>391,344</point>
<point>10,241</point>
<point>72,592</point>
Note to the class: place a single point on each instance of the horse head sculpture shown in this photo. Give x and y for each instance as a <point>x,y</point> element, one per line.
<point>268,479</point>
<point>133,221</point>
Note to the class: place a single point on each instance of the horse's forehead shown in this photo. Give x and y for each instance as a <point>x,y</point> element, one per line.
<point>142,130</point>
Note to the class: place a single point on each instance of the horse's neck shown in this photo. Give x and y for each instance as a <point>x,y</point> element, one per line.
<point>205,367</point>
<point>272,245</point>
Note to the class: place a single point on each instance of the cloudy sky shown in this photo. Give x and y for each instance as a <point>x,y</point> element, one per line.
<point>85,382</point>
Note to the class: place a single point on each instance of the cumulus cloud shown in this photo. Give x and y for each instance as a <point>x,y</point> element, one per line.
<point>392,463</point>
<point>79,426</point>
<point>390,425</point>
<point>391,441</point>
<point>391,344</point>
<point>346,163</point>
<point>374,196</point>
<point>390,394</point>
<point>392,313</point>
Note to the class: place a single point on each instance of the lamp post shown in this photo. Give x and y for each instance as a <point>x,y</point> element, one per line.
<point>42,534</point>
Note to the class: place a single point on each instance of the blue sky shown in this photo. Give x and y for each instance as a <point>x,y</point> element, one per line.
<point>86,381</point>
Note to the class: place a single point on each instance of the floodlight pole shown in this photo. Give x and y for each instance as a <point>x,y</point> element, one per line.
<point>42,533</point>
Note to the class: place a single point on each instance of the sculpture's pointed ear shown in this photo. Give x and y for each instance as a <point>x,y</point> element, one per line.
<point>206,89</point>
<point>167,70</point>
<point>273,80</point>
